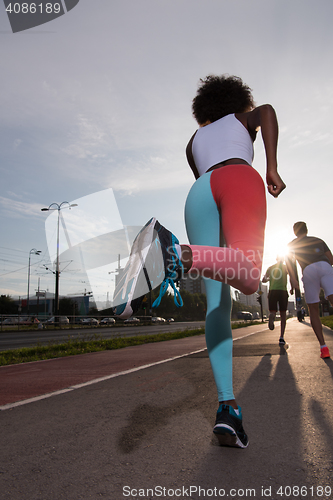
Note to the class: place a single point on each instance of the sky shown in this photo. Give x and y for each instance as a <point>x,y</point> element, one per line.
<point>99,101</point>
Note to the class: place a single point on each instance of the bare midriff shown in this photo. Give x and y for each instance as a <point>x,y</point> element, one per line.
<point>231,161</point>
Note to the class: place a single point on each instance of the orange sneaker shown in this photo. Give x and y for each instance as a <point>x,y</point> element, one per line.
<point>324,352</point>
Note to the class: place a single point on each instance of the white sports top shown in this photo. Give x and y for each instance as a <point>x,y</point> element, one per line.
<point>219,141</point>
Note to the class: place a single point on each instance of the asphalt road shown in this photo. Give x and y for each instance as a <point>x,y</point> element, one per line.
<point>18,339</point>
<point>147,433</point>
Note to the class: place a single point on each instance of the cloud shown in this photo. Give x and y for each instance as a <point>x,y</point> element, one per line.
<point>88,139</point>
<point>150,174</point>
<point>105,101</point>
<point>17,209</point>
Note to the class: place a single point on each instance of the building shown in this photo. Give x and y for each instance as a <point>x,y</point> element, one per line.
<point>192,285</point>
<point>251,300</point>
<point>42,305</point>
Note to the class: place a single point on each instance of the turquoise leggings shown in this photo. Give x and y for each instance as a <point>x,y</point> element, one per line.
<point>202,220</point>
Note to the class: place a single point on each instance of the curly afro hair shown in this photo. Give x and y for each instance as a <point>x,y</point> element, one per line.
<point>218,96</point>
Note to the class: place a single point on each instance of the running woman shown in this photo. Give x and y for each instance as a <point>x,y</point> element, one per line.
<point>225,217</point>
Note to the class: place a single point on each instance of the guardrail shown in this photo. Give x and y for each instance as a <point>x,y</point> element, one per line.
<point>15,322</point>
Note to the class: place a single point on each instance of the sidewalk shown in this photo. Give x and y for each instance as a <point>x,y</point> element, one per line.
<point>148,434</point>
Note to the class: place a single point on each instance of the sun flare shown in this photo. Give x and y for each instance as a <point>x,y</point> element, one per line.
<point>277,245</point>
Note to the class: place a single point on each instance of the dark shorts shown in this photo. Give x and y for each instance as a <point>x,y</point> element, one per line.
<point>278,296</point>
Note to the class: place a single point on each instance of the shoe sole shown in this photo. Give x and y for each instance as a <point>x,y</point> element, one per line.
<point>127,312</point>
<point>227,436</point>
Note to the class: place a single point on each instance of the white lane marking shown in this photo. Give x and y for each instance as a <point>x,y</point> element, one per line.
<point>95,381</point>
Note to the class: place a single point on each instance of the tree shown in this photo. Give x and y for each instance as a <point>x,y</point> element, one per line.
<point>194,307</point>
<point>7,305</point>
<point>68,307</point>
<point>93,311</point>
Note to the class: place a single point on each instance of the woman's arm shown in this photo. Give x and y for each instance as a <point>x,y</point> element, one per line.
<point>190,158</point>
<point>264,117</point>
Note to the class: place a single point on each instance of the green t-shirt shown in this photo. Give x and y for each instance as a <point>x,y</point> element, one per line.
<point>277,276</point>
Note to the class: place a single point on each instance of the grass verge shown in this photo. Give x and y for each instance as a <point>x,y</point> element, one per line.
<point>78,346</point>
<point>327,321</point>
<point>74,346</point>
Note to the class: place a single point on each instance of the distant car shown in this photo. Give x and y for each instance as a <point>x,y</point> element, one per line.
<point>10,321</point>
<point>108,321</point>
<point>94,321</point>
<point>89,321</point>
<point>158,320</point>
<point>25,321</point>
<point>244,315</point>
<point>29,321</point>
<point>63,320</point>
<point>132,320</point>
<point>170,320</point>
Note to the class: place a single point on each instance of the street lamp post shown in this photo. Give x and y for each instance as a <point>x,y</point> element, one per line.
<point>56,206</point>
<point>35,252</point>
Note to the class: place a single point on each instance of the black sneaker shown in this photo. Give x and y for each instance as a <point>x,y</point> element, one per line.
<point>153,261</point>
<point>282,341</point>
<point>173,267</point>
<point>228,427</point>
<point>270,322</point>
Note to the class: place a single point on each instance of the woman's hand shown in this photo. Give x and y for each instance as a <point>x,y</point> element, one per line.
<point>264,117</point>
<point>275,184</point>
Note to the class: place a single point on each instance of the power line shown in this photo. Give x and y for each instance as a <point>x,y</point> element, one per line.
<point>15,249</point>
